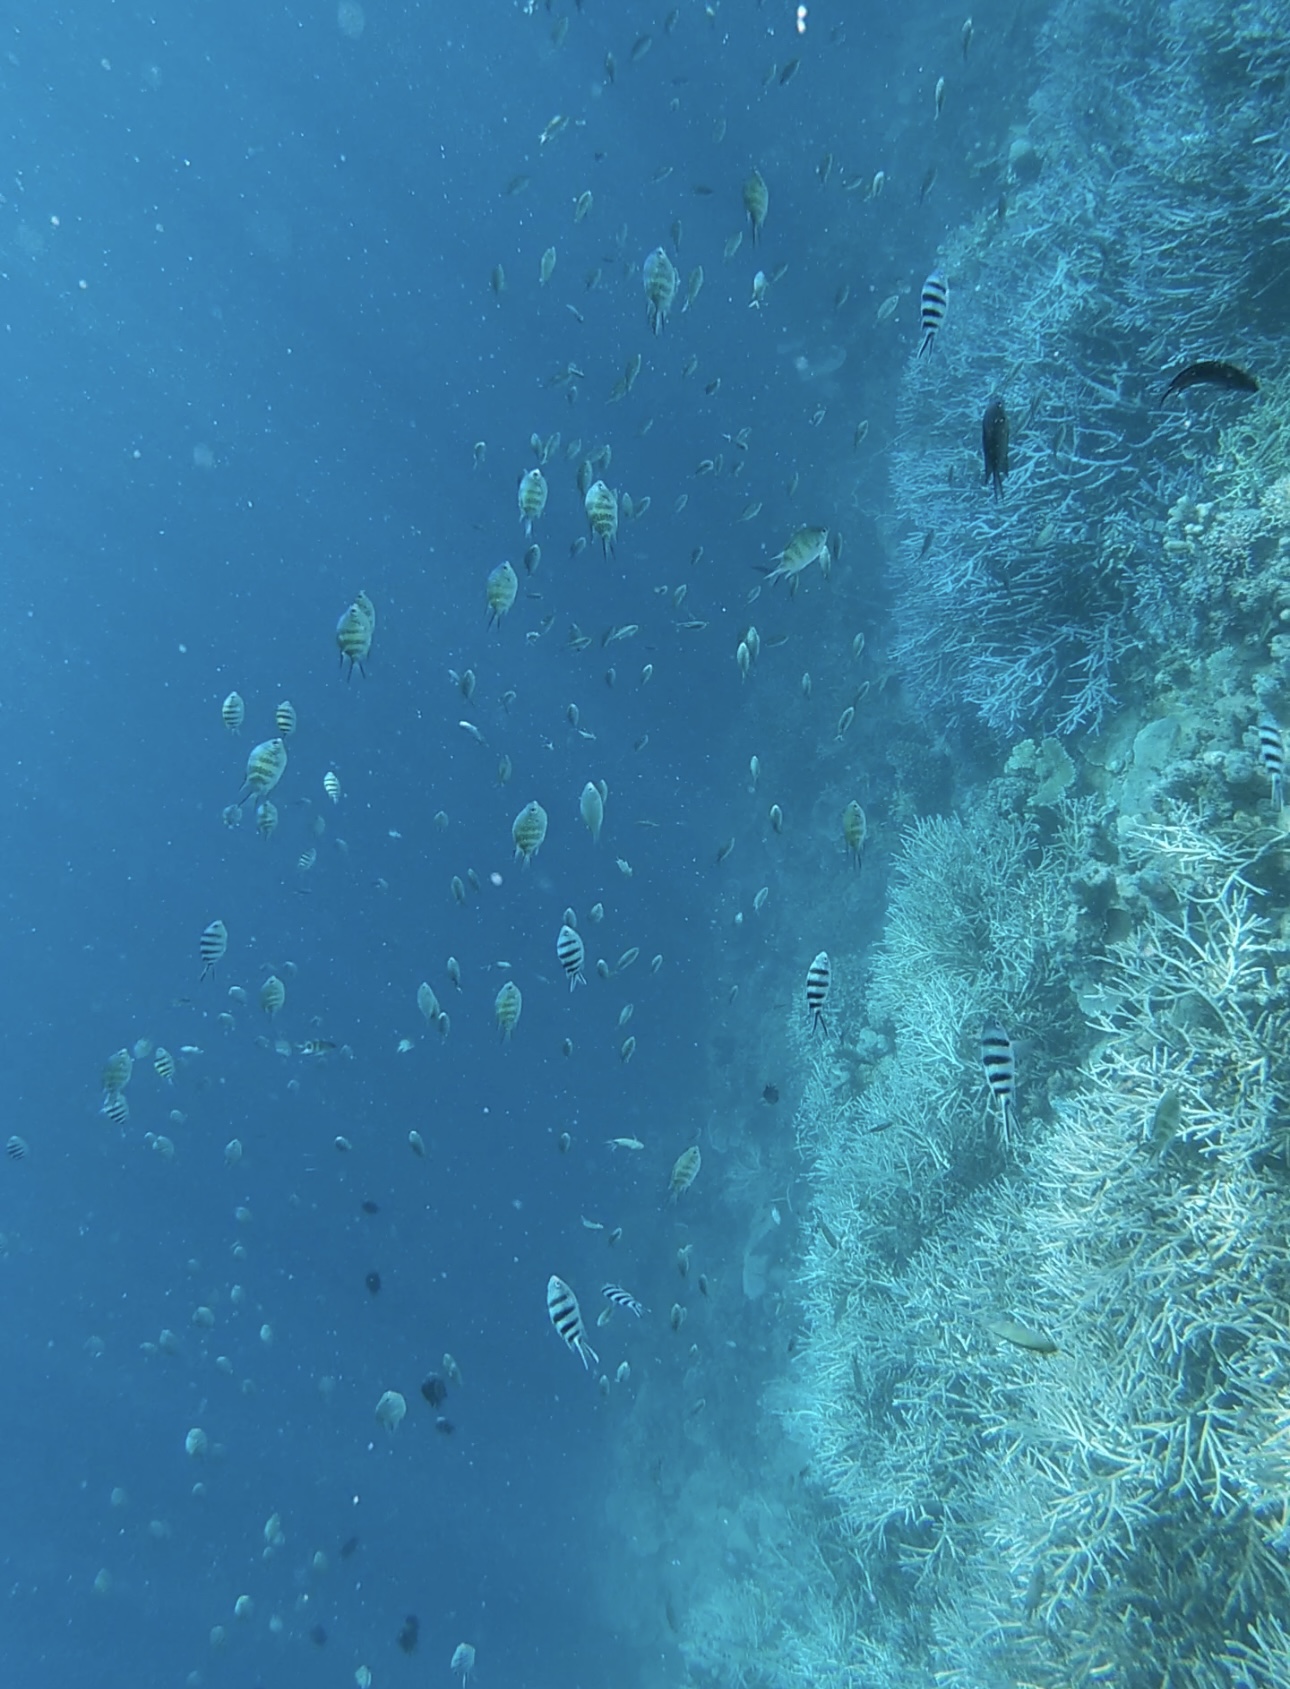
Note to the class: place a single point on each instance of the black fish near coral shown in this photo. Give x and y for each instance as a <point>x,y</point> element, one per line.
<point>994,442</point>
<point>1211,372</point>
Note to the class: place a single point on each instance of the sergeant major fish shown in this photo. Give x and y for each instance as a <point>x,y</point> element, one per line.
<point>807,546</point>
<point>999,1060</point>
<point>622,1299</point>
<point>1273,756</point>
<point>818,977</point>
<point>566,1317</point>
<point>933,304</point>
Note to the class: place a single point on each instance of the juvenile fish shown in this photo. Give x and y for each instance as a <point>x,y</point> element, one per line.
<point>1012,1331</point>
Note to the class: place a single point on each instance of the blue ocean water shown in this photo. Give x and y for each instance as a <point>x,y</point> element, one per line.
<point>249,344</point>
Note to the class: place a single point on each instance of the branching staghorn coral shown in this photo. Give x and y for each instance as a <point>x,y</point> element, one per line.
<point>978,926</point>
<point>1144,242</point>
<point>1228,552</point>
<point>1118,1510</point>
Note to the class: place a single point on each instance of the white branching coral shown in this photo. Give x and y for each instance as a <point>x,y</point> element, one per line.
<point>1069,1515</point>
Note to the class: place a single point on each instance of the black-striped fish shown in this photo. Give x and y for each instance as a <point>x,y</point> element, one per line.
<point>999,1060</point>
<point>1273,753</point>
<point>935,299</point>
<point>622,1299</point>
<point>115,1108</point>
<point>571,952</point>
<point>818,976</point>
<point>566,1317</point>
<point>214,943</point>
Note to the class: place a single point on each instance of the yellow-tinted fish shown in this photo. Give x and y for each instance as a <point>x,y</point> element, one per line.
<point>756,203</point>
<point>354,633</point>
<point>532,498</point>
<point>661,283</point>
<point>528,830</point>
<point>500,592</point>
<point>265,766</point>
<point>854,828</point>
<point>685,1170</point>
<point>601,505</point>
<point>117,1070</point>
<point>213,944</point>
<point>233,711</point>
<point>807,546</point>
<point>507,1006</point>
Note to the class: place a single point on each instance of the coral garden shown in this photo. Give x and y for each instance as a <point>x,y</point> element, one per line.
<point>1042,1391</point>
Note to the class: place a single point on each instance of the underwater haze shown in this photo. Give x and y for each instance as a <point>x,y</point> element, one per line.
<point>646,905</point>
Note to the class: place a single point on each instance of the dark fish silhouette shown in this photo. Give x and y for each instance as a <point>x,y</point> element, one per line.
<point>994,442</point>
<point>434,1390</point>
<point>1214,373</point>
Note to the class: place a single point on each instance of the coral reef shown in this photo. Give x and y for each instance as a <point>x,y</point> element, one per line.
<point>1049,767</point>
<point>1229,553</point>
<point>1043,1377</point>
<point>1141,241</point>
<point>1118,1509</point>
